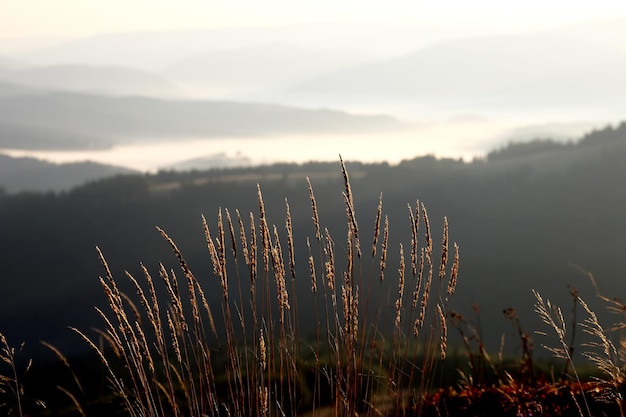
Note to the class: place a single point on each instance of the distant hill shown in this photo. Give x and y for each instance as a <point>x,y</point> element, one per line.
<point>521,217</point>
<point>30,174</point>
<point>525,149</point>
<point>92,79</point>
<point>542,68</point>
<point>562,132</point>
<point>11,89</point>
<point>10,63</point>
<point>123,118</point>
<point>152,50</point>
<point>609,32</point>
<point>146,49</point>
<point>559,150</point>
<point>214,161</point>
<point>260,67</point>
<point>13,136</point>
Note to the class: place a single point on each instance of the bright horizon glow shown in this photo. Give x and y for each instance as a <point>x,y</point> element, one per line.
<point>150,157</point>
<point>392,28</point>
<point>77,18</point>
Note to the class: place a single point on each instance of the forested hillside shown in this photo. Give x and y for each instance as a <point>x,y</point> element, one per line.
<point>521,217</point>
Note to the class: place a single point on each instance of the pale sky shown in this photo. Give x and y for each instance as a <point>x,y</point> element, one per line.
<point>70,18</point>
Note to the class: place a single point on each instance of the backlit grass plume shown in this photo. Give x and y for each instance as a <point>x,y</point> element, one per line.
<point>244,356</point>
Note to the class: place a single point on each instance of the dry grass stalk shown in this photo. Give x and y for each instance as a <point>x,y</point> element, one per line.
<point>454,273</point>
<point>264,401</point>
<point>428,256</point>
<point>400,287</point>
<point>171,367</point>
<point>117,385</point>
<point>12,384</point>
<point>355,313</point>
<point>350,206</point>
<point>352,224</point>
<point>74,400</point>
<point>242,238</point>
<point>289,227</point>
<point>263,351</point>
<point>429,240</point>
<point>383,255</point>
<point>346,299</point>
<point>215,258</point>
<point>553,317</point>
<point>109,277</point>
<point>63,359</point>
<point>350,254</point>
<point>329,251</point>
<point>414,219</point>
<point>418,282</point>
<point>603,353</point>
<point>444,331</point>
<point>444,250</point>
<point>316,219</point>
<point>279,276</point>
<point>231,230</point>
<point>253,256</point>
<point>312,268</point>
<point>379,212</point>
<point>221,248</point>
<point>265,232</point>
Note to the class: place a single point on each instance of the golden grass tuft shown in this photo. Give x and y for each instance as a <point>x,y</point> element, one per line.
<point>172,357</point>
<point>372,353</point>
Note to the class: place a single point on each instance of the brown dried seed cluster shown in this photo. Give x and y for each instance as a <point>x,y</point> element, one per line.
<point>350,207</point>
<point>379,212</point>
<point>444,331</point>
<point>312,268</point>
<point>418,283</point>
<point>454,273</point>
<point>383,256</point>
<point>289,227</point>
<point>242,238</point>
<point>400,287</point>
<point>330,261</point>
<point>263,351</point>
<point>316,219</point>
<point>444,250</point>
<point>414,218</point>
<point>231,230</point>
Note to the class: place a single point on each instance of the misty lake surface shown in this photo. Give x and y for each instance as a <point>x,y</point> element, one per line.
<point>464,138</point>
<point>439,130</point>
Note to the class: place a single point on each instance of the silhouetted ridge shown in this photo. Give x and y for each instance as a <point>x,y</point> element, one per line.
<point>604,136</point>
<point>522,149</point>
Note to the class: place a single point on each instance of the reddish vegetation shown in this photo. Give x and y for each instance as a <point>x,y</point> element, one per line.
<point>543,399</point>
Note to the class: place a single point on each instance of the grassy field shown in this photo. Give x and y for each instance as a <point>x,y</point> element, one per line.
<point>164,350</point>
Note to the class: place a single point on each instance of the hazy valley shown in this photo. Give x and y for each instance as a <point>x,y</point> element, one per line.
<point>517,138</point>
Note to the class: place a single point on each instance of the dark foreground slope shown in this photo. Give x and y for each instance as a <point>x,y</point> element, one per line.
<point>30,174</point>
<point>520,217</point>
